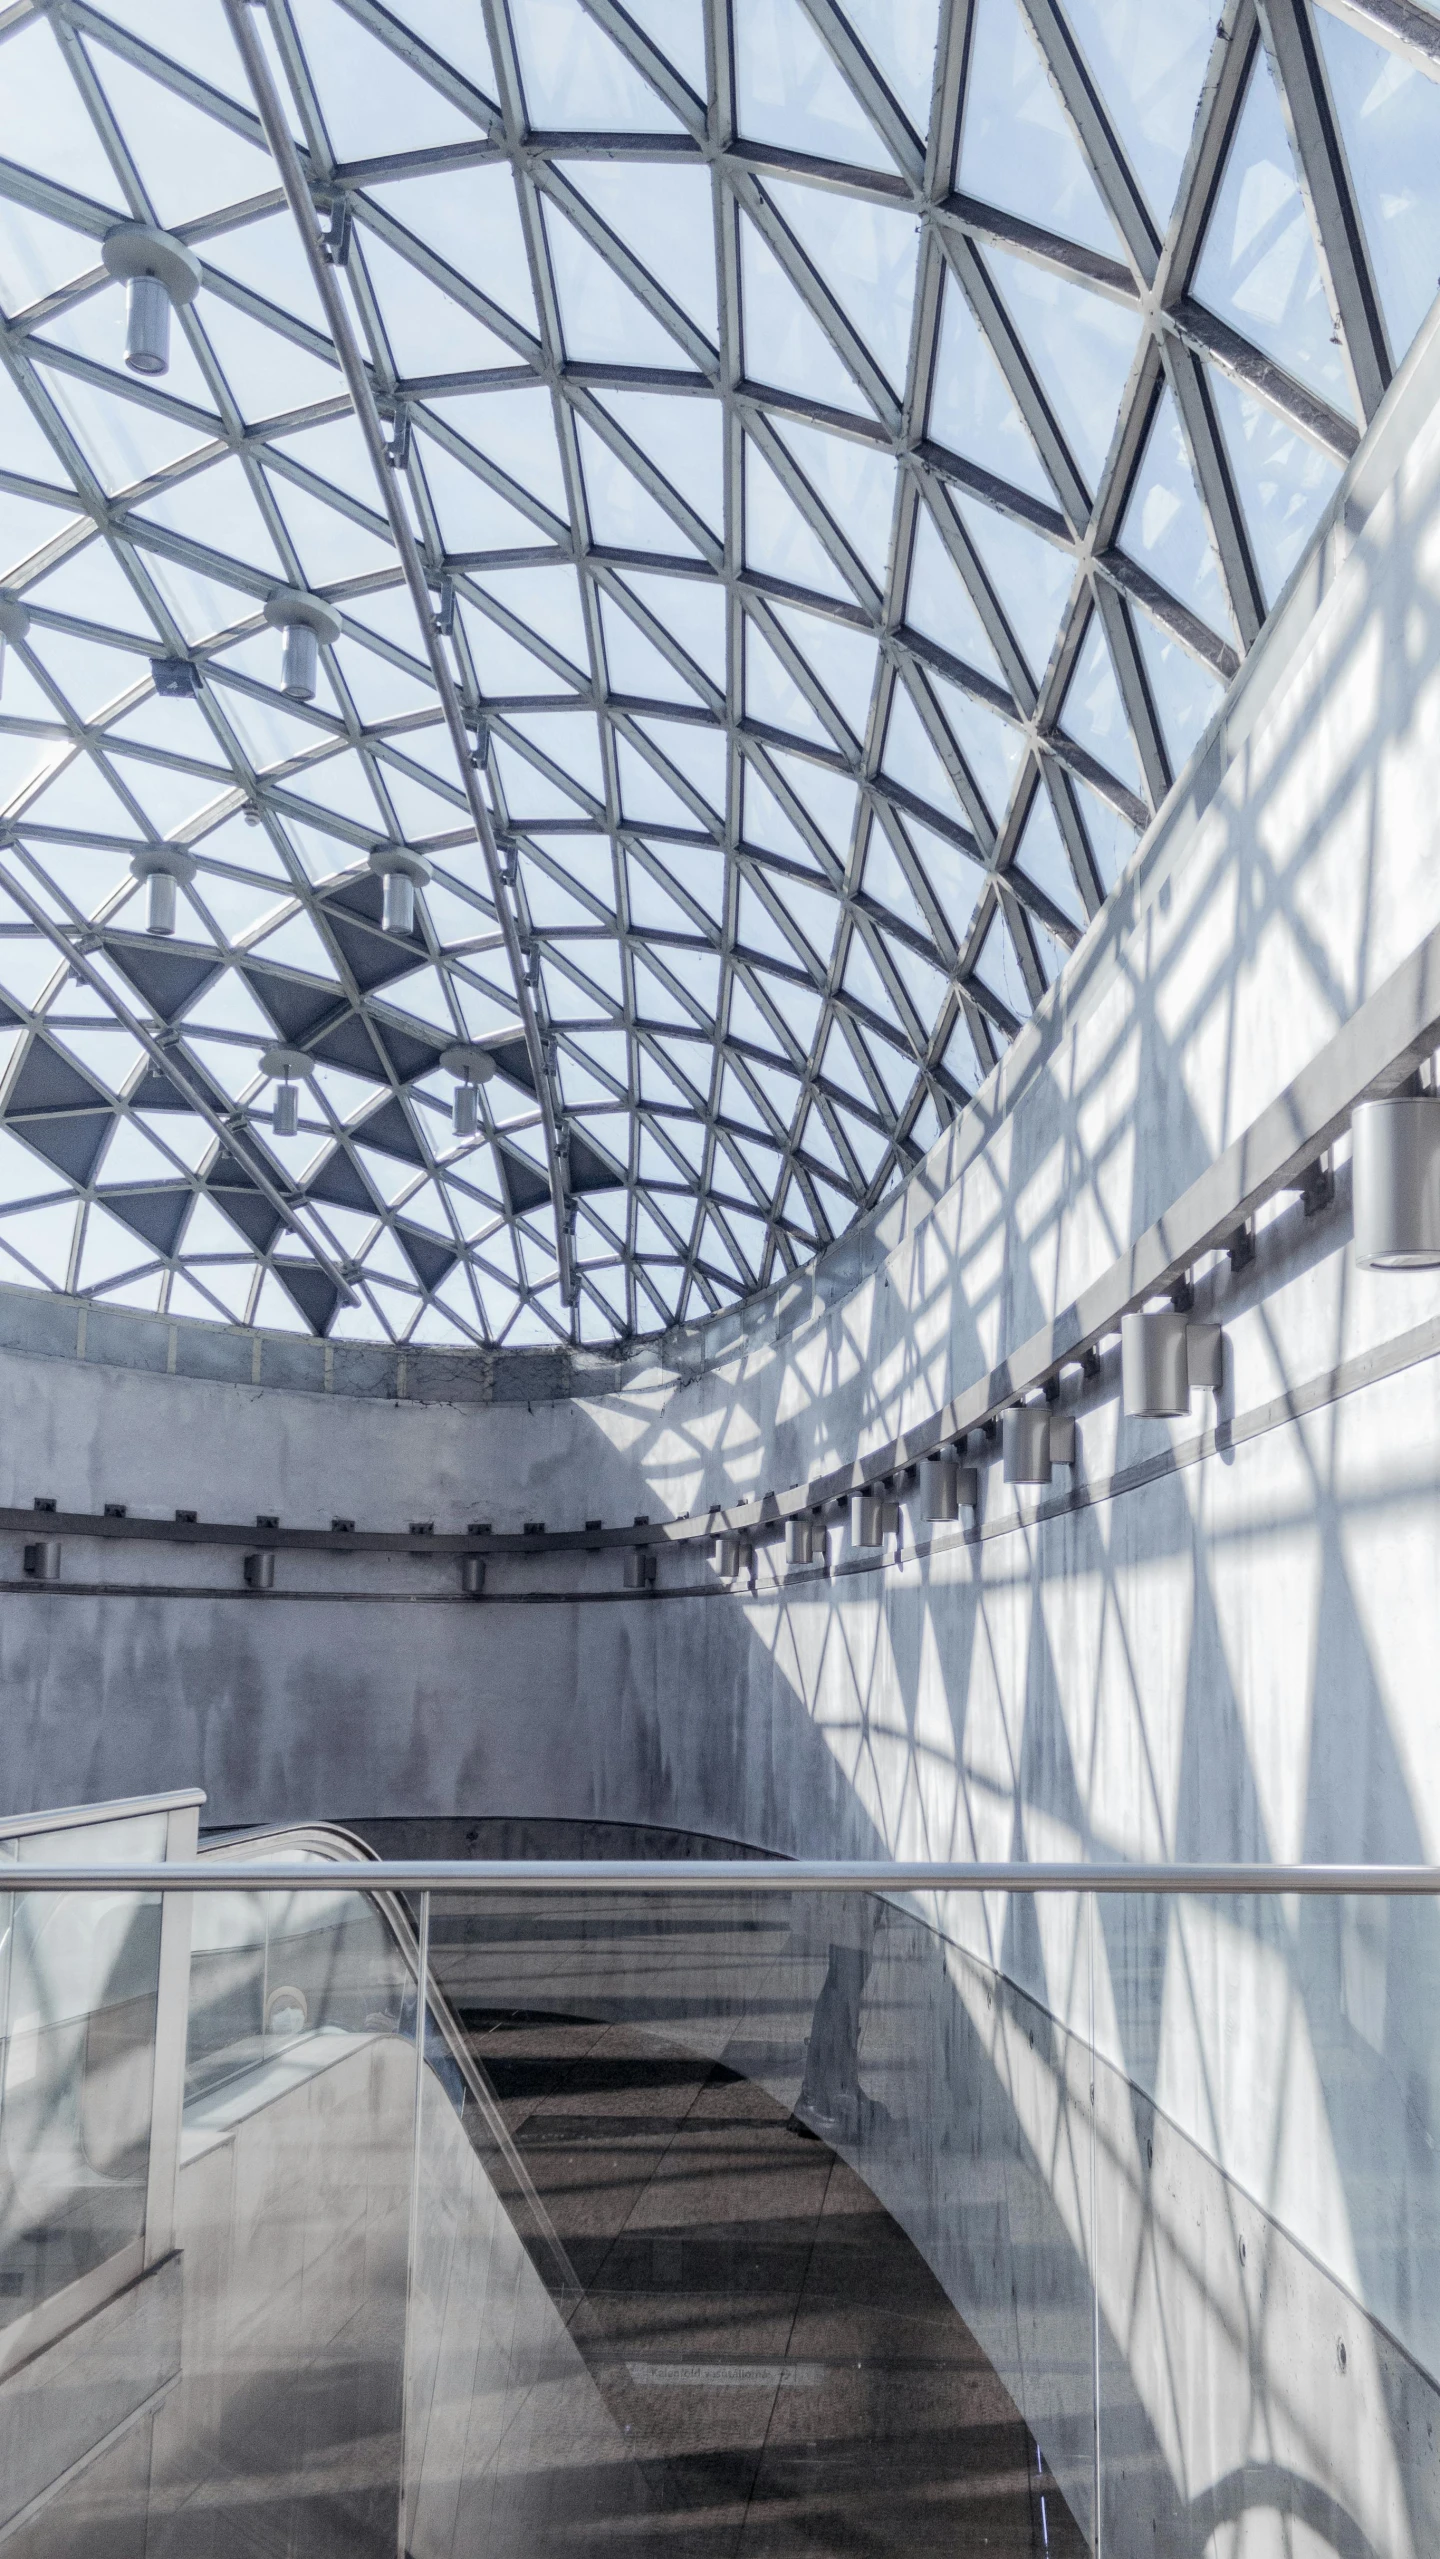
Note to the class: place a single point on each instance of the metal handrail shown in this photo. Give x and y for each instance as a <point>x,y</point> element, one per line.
<point>658,1877</point>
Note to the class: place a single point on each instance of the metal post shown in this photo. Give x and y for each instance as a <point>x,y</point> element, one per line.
<point>422,1983</point>
<point>172,2019</point>
<point>1095,2248</point>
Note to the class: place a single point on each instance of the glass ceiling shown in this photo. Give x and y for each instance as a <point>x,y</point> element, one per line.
<point>851,445</point>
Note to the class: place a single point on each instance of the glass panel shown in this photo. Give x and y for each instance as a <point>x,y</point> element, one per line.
<point>1082,347</point>
<point>1164,526</point>
<point>789,91</point>
<point>972,407</point>
<point>825,2224</point>
<point>1185,693</point>
<point>1258,268</point>
<point>866,254</point>
<point>1266,2185</point>
<point>1389,114</point>
<point>1284,481</point>
<point>79,1978</point>
<point>1150,64</point>
<point>1017,147</point>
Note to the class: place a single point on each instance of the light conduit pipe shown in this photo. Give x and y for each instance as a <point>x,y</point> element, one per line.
<point>239,19</point>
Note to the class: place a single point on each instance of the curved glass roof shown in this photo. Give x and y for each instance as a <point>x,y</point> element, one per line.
<point>851,445</point>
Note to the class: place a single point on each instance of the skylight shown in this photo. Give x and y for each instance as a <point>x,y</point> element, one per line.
<point>848,464</point>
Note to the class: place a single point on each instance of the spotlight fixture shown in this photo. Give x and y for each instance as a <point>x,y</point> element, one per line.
<point>259,1569</point>
<point>287,1068</point>
<point>639,1568</point>
<point>161,275</point>
<point>306,620</point>
<point>166,868</point>
<point>725,1554</point>
<point>42,1560</point>
<point>1033,1439</point>
<point>471,1067</point>
<point>1396,1172</point>
<point>870,1516</point>
<point>472,1576</point>
<point>401,873</point>
<point>1164,1357</point>
<point>804,1540</point>
<point>947,1487</point>
<point>14,623</point>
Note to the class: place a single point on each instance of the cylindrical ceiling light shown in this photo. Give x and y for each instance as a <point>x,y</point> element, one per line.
<point>307,621</point>
<point>14,623</point>
<point>1164,1357</point>
<point>166,868</point>
<point>400,873</point>
<point>161,275</point>
<point>1396,1173</point>
<point>287,1069</point>
<point>867,1519</point>
<point>471,1067</point>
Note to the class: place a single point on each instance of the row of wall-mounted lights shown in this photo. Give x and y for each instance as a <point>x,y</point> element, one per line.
<point>1166,1357</point>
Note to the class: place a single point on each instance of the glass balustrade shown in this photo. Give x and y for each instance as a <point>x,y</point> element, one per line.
<point>723,2216</point>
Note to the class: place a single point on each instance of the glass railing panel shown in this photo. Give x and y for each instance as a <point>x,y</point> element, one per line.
<point>79,1975</point>
<point>270,1973</point>
<point>828,2233</point>
<point>1268,2215</point>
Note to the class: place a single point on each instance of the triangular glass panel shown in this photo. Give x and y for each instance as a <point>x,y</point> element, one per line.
<point>827,797</point>
<point>993,750</point>
<point>861,978</point>
<point>570,740</point>
<point>623,514</point>
<point>816,913</point>
<point>899,36</point>
<point>940,605</point>
<point>912,760</point>
<point>665,215</point>
<point>43,122</point>
<point>1149,67</point>
<point>514,429</point>
<point>371,100</point>
<point>1082,346</point>
<point>428,330</point>
<point>842,658</point>
<point>217,507</point>
<point>471,515</point>
<point>1389,114</point>
<point>777,538</point>
<point>772,695</point>
<point>700,753</point>
<point>955,877</point>
<point>471,218</point>
<point>866,254</point>
<point>603,321</point>
<point>1094,710</point>
<point>677,28</point>
<point>1042,857</point>
<point>634,663</point>
<point>328,542</point>
<point>1017,149</point>
<point>1258,267</point>
<point>788,89</point>
<point>268,258</point>
<point>1185,694</point>
<point>692,610</point>
<point>684,437</point>
<point>998,968</point>
<point>188,161</point>
<point>925,984</point>
<point>1284,481</point>
<point>784,342</point>
<point>458,37</point>
<point>645,797</point>
<point>37,258</point>
<point>767,824</point>
<point>1032,578</point>
<point>577,81</point>
<point>547,601</point>
<point>1164,527</point>
<point>884,880</point>
<point>854,483</point>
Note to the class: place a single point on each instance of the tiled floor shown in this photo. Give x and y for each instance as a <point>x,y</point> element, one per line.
<point>795,2383</point>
